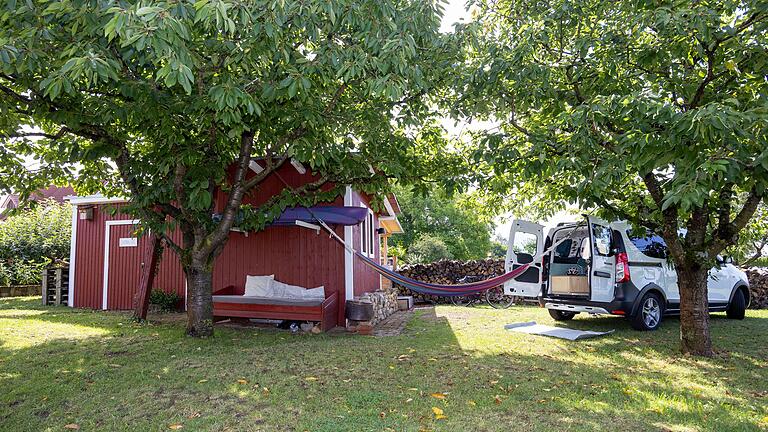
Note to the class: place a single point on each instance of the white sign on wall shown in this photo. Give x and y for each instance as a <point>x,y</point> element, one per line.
<point>129,242</point>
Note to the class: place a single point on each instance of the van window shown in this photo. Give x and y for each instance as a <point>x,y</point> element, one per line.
<point>650,244</point>
<point>525,243</point>
<point>602,239</point>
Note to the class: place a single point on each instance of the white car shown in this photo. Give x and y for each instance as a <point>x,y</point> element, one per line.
<point>598,267</point>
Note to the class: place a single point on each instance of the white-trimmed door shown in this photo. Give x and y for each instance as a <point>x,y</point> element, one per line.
<point>123,253</point>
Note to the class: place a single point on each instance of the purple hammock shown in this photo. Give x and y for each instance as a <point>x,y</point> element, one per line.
<point>354,215</point>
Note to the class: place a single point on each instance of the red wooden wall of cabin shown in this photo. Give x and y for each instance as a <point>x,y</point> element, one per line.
<point>89,263</point>
<point>366,279</point>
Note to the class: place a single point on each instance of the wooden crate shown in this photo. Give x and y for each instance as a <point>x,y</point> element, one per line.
<point>55,288</point>
<point>570,285</point>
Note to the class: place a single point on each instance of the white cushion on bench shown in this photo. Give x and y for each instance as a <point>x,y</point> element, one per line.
<point>286,291</point>
<point>266,300</point>
<point>259,286</point>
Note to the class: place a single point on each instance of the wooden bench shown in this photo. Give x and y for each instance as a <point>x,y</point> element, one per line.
<point>229,303</point>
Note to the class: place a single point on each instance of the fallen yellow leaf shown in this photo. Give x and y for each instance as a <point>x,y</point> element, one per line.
<point>202,381</point>
<point>438,413</point>
<point>175,426</point>
<point>72,426</point>
<point>471,403</point>
<point>311,378</point>
<point>438,395</point>
<point>242,381</point>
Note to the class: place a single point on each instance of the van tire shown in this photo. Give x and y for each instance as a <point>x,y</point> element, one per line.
<point>737,306</point>
<point>559,315</point>
<point>649,313</point>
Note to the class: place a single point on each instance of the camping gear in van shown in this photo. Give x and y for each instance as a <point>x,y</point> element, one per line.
<point>569,285</point>
<point>531,327</point>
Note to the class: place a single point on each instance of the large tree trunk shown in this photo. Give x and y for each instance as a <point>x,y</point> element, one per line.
<point>199,299</point>
<point>694,310</point>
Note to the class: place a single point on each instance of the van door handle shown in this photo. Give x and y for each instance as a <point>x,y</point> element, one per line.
<point>602,274</point>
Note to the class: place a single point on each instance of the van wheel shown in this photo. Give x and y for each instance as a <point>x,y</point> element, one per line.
<point>737,306</point>
<point>559,315</point>
<point>649,313</point>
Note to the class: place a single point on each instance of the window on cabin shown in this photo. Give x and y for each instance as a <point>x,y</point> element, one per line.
<point>368,236</point>
<point>371,235</point>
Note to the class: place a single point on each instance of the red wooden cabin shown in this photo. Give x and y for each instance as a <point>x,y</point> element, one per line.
<point>106,256</point>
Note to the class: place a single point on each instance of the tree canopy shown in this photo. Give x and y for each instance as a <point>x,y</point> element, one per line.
<point>654,112</point>
<point>453,219</point>
<point>156,100</point>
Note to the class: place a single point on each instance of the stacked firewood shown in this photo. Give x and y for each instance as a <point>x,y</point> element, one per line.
<point>449,272</point>
<point>758,287</point>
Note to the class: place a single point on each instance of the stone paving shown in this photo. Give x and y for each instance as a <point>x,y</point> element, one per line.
<point>394,324</point>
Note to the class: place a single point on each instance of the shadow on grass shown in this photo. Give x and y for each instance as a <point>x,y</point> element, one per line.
<point>149,377</point>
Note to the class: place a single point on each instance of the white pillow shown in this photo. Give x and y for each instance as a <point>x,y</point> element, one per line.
<point>315,293</point>
<point>295,292</point>
<point>259,286</point>
<point>283,290</point>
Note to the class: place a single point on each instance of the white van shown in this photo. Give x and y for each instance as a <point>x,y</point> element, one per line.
<point>598,267</point>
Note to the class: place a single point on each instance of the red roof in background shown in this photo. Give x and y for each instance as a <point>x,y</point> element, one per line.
<point>53,192</point>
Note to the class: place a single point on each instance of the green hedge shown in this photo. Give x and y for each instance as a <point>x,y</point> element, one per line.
<point>31,239</point>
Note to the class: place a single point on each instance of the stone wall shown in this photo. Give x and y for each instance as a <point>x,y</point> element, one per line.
<point>384,304</point>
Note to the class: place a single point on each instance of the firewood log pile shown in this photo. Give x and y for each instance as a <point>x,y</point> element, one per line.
<point>758,287</point>
<point>448,272</point>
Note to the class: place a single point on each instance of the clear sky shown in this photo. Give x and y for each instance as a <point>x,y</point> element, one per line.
<point>454,12</point>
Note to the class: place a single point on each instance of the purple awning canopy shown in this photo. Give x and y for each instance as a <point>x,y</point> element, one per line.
<point>329,214</point>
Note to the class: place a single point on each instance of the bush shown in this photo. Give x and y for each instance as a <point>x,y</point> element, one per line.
<point>40,234</point>
<point>31,240</point>
<point>21,273</point>
<point>426,249</point>
<point>168,302</point>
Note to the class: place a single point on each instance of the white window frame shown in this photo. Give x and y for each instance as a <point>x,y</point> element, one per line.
<point>368,234</point>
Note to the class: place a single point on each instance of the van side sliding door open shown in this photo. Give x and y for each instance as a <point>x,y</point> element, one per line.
<point>602,273</point>
<point>526,240</point>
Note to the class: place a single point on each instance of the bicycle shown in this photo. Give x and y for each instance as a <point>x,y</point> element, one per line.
<point>494,297</point>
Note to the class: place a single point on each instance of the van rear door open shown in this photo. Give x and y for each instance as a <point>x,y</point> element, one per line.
<point>603,260</point>
<point>526,240</point>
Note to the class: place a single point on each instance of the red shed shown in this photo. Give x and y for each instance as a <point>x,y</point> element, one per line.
<point>106,255</point>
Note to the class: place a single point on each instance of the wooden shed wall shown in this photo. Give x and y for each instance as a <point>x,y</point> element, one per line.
<point>89,263</point>
<point>366,279</point>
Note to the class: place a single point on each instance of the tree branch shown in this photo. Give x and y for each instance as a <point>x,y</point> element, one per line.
<point>729,234</point>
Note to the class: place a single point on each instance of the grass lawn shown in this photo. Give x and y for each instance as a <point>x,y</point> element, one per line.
<point>97,370</point>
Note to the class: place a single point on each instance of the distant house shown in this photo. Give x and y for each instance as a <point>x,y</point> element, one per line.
<point>10,202</point>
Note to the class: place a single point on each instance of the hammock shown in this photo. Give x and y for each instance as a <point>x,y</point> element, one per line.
<point>442,290</point>
<point>428,288</point>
